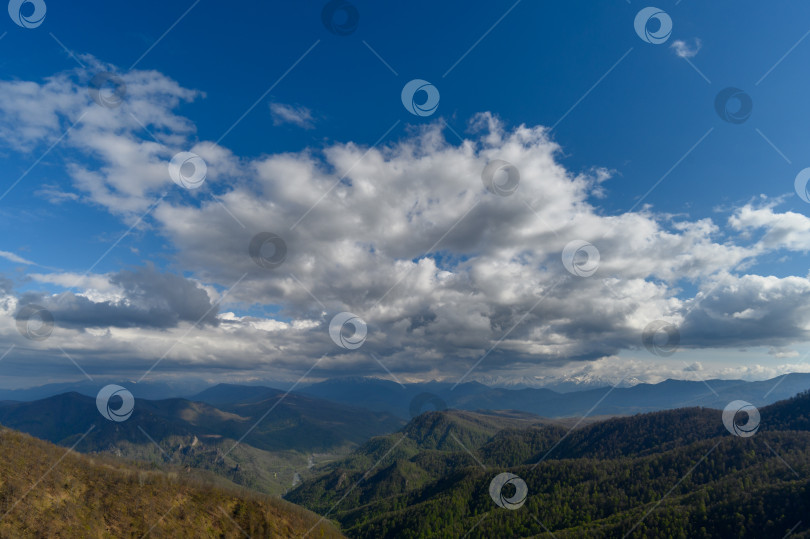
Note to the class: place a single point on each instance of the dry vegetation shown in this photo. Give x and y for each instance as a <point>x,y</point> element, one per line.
<point>80,496</point>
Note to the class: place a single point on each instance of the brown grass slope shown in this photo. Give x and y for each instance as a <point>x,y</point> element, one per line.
<point>48,492</point>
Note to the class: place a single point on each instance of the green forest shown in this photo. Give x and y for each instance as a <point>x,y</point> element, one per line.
<point>676,473</point>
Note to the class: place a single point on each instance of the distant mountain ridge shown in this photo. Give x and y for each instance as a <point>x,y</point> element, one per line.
<point>560,384</point>
<point>142,390</point>
<point>386,396</point>
<point>298,422</point>
<point>383,395</point>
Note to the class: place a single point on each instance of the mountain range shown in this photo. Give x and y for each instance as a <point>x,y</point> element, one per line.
<point>386,396</point>
<point>388,460</point>
<point>674,473</point>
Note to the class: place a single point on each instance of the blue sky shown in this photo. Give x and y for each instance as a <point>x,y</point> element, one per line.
<point>620,108</point>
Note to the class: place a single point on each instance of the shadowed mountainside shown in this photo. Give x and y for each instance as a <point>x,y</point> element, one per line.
<point>194,434</point>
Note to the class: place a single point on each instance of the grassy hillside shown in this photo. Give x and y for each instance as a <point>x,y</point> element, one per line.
<point>46,492</point>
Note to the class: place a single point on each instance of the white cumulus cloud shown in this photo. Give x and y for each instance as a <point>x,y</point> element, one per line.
<point>405,235</point>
